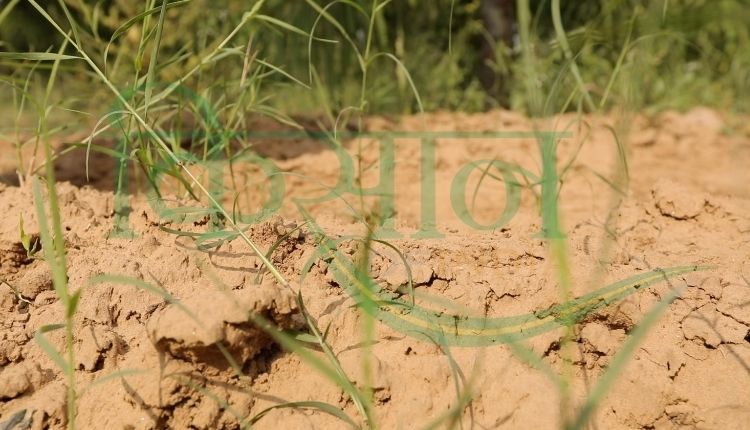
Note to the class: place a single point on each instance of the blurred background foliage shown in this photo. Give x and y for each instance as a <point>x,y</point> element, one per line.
<point>654,54</point>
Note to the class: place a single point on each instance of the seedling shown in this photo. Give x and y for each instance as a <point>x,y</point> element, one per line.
<point>30,243</point>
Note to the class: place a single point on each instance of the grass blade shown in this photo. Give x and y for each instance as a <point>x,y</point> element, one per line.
<point>37,56</point>
<point>620,360</point>
<point>152,64</point>
<point>47,244</point>
<point>48,348</point>
<point>160,142</point>
<point>320,406</point>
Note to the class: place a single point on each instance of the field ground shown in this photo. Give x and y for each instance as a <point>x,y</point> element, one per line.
<point>688,203</point>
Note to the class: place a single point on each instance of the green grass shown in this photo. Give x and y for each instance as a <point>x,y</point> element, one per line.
<point>681,53</point>
<point>351,59</point>
<point>53,247</point>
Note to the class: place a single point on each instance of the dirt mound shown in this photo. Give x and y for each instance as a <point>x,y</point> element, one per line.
<point>225,322</point>
<point>156,356</point>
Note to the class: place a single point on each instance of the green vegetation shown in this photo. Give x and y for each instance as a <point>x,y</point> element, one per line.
<point>77,60</point>
<point>669,53</point>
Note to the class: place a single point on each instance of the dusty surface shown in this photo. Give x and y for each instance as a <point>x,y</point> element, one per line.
<point>688,203</point>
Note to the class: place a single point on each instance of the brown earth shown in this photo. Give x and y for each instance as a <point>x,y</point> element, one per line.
<point>687,203</point>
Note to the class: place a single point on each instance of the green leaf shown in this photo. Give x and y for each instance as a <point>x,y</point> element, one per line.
<point>47,244</point>
<point>143,285</point>
<point>290,344</point>
<point>48,348</point>
<point>138,283</point>
<point>618,363</point>
<point>253,12</point>
<point>406,73</point>
<point>129,23</point>
<point>290,27</point>
<point>304,337</point>
<point>282,72</point>
<point>25,240</point>
<point>178,232</point>
<point>73,304</point>
<point>214,238</point>
<point>36,56</point>
<point>7,10</point>
<point>113,376</point>
<point>71,21</point>
<point>152,64</point>
<point>320,406</point>
<point>132,21</point>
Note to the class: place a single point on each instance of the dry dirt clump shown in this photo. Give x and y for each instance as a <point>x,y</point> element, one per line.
<point>222,319</point>
<point>150,359</point>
